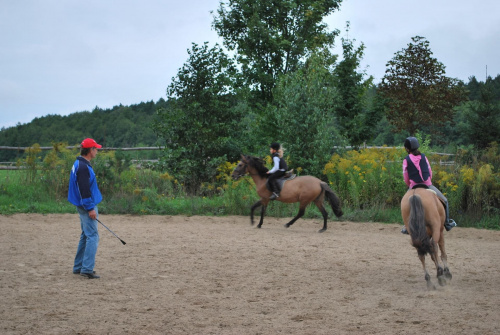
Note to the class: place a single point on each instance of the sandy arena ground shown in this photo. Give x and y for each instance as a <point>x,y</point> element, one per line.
<point>220,275</point>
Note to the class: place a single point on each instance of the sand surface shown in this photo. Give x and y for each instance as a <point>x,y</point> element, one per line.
<point>220,275</point>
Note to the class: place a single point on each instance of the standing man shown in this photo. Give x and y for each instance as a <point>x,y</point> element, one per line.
<point>85,195</point>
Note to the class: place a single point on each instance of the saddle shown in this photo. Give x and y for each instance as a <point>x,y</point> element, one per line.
<point>289,175</point>
<point>430,190</point>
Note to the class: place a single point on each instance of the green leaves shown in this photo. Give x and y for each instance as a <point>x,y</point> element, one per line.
<point>304,114</point>
<point>416,90</point>
<point>198,123</point>
<point>271,38</point>
<point>355,120</point>
<point>483,118</point>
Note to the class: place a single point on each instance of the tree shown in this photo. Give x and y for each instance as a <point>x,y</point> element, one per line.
<point>416,90</point>
<point>305,102</point>
<point>482,124</point>
<point>271,37</point>
<point>198,124</point>
<point>356,122</point>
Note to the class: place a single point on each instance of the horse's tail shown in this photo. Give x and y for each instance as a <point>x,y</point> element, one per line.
<point>333,199</point>
<point>419,238</point>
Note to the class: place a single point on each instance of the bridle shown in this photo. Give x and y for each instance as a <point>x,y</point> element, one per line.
<point>244,168</point>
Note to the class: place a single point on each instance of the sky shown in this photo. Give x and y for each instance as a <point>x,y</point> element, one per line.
<point>67,56</point>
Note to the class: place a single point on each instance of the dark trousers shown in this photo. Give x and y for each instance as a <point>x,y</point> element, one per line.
<point>272,180</point>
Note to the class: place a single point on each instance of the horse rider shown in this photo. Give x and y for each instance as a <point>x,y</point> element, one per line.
<point>417,171</point>
<point>278,169</point>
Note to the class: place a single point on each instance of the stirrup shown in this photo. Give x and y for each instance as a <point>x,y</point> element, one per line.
<point>274,196</point>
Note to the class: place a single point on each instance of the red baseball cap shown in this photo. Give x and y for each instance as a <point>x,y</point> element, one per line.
<point>90,143</point>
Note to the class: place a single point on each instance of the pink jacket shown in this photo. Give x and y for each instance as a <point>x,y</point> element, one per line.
<point>416,161</point>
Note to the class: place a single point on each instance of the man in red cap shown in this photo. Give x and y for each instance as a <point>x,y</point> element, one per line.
<point>85,195</point>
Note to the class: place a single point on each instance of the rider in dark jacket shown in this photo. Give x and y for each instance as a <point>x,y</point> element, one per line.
<point>278,170</point>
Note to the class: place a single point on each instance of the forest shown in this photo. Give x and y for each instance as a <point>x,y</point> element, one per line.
<point>132,126</point>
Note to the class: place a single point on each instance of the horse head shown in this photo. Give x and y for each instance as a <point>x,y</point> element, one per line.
<point>250,165</point>
<point>241,169</point>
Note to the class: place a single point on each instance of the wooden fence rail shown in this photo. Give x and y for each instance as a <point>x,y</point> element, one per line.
<point>160,148</point>
<point>78,147</point>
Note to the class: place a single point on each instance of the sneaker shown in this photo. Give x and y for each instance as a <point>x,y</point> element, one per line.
<point>404,231</point>
<point>450,224</point>
<point>90,275</point>
<point>274,196</point>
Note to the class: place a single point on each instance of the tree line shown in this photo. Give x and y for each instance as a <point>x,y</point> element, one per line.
<point>120,126</point>
<point>275,78</point>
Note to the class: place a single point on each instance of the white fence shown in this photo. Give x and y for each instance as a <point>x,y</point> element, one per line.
<point>12,165</point>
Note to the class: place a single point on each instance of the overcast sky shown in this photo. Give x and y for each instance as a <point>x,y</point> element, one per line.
<point>66,56</point>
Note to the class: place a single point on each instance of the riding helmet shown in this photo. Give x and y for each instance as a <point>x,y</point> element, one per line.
<point>411,143</point>
<point>275,146</point>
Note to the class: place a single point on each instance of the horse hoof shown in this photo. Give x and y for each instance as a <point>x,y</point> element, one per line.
<point>287,225</point>
<point>321,230</point>
<point>442,281</point>
<point>447,274</point>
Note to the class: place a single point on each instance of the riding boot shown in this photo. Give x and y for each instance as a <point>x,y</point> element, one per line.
<point>449,223</point>
<point>275,189</point>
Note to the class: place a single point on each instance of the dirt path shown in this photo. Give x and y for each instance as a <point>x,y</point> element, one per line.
<point>208,275</point>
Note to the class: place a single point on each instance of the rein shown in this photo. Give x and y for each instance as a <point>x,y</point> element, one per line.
<point>245,167</point>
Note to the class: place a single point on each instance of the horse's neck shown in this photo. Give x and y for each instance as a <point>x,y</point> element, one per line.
<point>257,179</point>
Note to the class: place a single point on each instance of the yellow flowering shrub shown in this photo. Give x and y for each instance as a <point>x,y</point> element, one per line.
<point>367,177</point>
<point>472,183</point>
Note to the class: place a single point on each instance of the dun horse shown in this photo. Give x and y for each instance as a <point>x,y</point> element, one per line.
<point>304,189</point>
<point>423,215</point>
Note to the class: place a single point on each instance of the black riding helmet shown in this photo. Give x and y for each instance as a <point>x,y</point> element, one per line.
<point>275,146</point>
<point>411,143</point>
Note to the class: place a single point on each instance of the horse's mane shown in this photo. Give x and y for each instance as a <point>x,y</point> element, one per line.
<point>258,164</point>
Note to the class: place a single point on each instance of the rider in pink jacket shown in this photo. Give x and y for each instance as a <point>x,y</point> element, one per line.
<point>417,172</point>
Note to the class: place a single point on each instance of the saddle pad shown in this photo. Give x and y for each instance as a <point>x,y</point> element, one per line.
<point>281,181</point>
<point>431,191</point>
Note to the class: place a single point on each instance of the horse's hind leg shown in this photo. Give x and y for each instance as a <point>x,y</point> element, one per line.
<point>430,285</point>
<point>298,216</point>
<point>325,216</point>
<point>444,259</point>
<point>438,236</point>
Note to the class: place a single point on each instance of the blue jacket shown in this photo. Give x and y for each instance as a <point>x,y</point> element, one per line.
<point>83,190</point>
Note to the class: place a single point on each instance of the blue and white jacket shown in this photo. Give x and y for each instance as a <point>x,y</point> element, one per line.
<point>83,190</point>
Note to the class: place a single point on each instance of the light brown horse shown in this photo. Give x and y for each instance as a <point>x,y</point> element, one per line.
<point>303,189</point>
<point>424,215</point>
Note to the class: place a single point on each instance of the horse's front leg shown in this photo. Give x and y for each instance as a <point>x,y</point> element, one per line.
<point>262,212</point>
<point>256,205</point>
<point>298,216</point>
